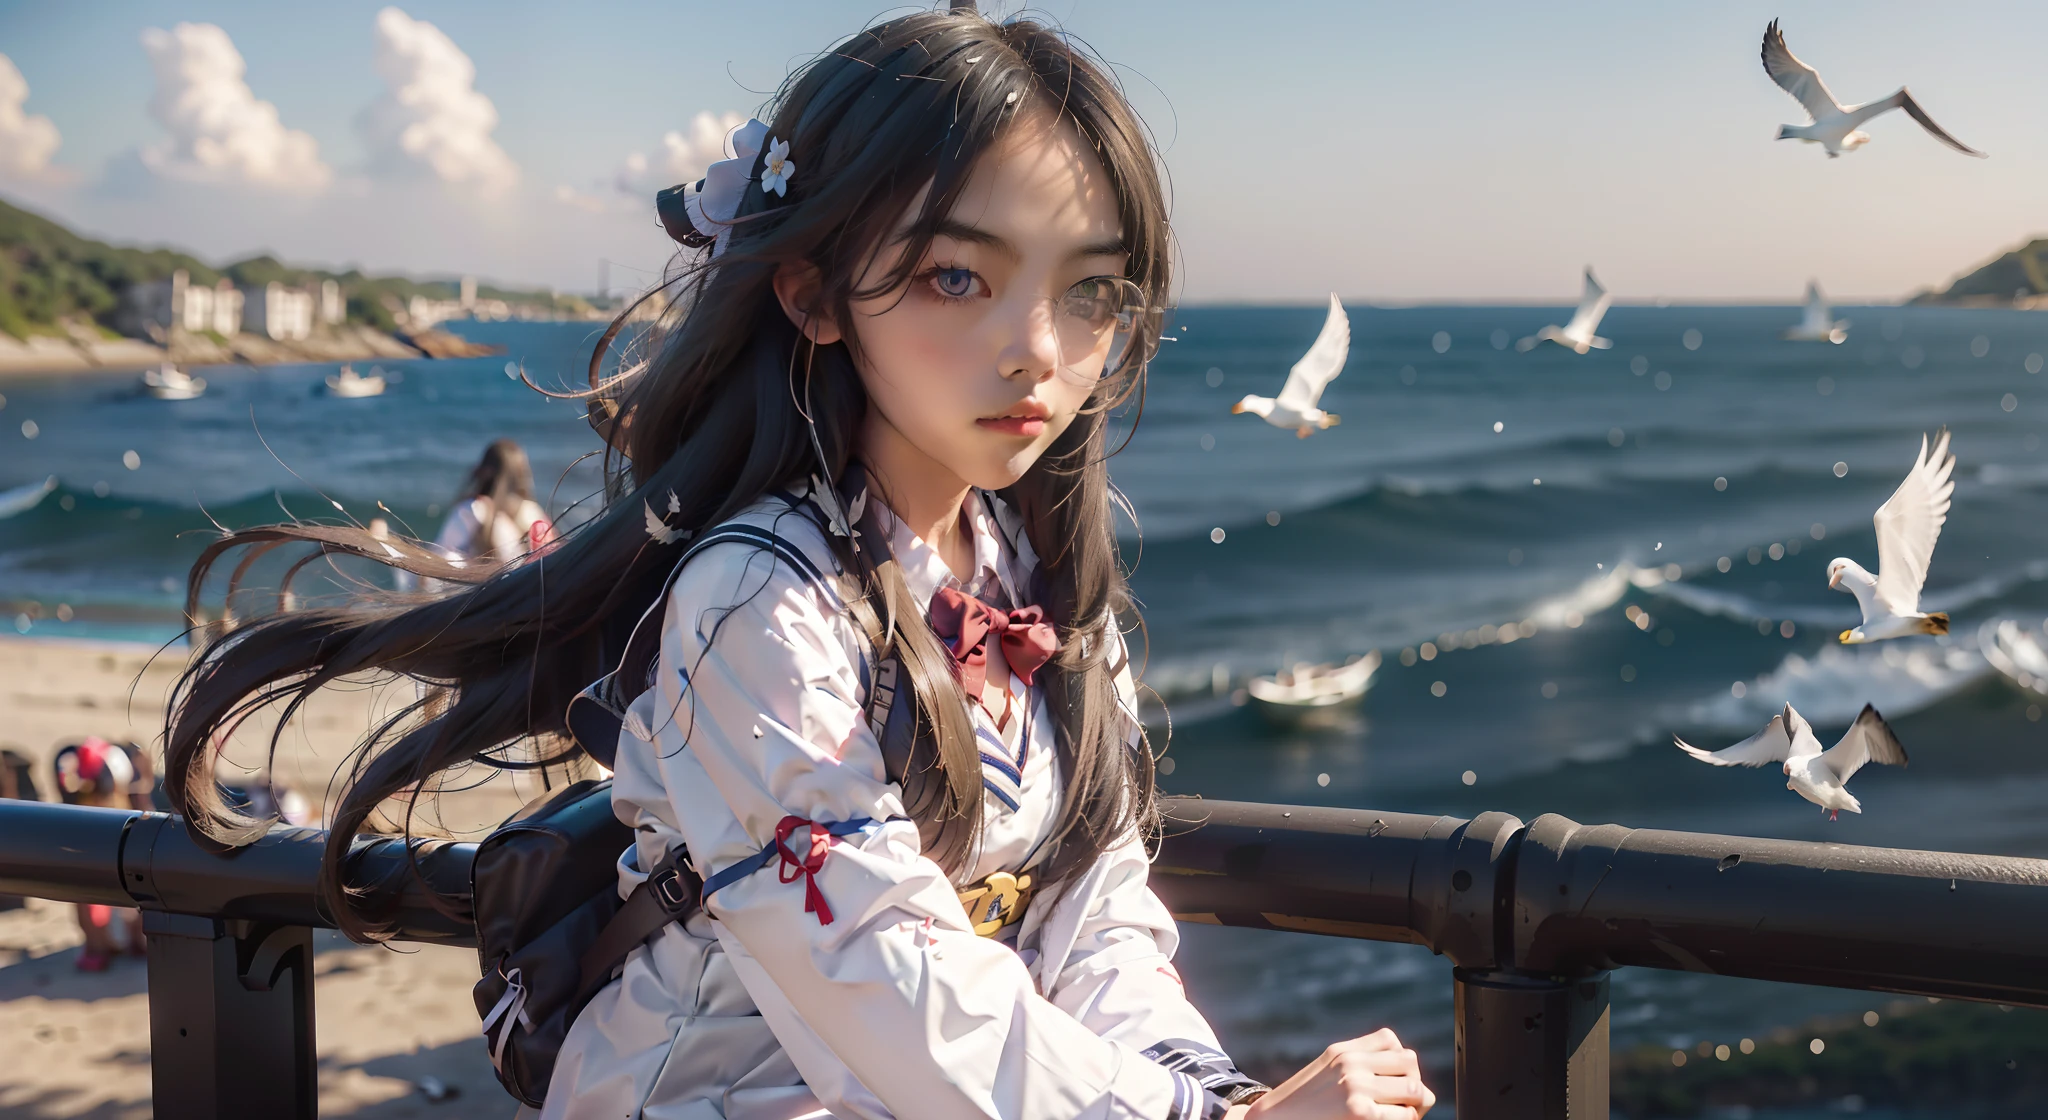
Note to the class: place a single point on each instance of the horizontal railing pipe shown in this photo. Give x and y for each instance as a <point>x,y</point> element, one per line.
<point>1915,922</point>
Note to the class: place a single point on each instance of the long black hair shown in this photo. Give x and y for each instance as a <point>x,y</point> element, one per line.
<point>712,417</point>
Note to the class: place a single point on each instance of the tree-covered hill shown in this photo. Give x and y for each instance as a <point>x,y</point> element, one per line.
<point>50,276</point>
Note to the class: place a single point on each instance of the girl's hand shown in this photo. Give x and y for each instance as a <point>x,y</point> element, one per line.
<point>1370,1078</point>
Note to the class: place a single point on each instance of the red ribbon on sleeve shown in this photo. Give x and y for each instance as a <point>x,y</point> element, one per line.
<point>806,865</point>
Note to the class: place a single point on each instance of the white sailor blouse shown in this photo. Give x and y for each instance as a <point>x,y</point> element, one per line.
<point>834,970</point>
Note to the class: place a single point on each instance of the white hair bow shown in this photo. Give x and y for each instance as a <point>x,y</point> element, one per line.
<point>710,205</point>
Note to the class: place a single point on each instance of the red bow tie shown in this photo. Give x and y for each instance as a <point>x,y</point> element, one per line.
<point>964,623</point>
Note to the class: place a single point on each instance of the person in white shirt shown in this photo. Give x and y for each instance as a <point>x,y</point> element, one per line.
<point>914,297</point>
<point>494,518</point>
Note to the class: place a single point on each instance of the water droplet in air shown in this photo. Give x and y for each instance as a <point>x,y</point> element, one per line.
<point>1441,342</point>
<point>1216,536</point>
<point>131,460</point>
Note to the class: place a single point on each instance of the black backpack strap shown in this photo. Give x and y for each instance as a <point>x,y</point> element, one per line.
<point>669,894</point>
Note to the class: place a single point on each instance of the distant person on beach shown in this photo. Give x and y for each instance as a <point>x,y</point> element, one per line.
<point>97,772</point>
<point>855,612</point>
<point>495,518</point>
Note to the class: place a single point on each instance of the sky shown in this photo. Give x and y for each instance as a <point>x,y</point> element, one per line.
<point>1480,151</point>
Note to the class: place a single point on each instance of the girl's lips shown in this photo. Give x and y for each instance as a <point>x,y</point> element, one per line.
<point>1025,418</point>
<point>1029,426</point>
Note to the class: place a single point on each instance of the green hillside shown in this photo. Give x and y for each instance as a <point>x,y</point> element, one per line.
<point>49,275</point>
<point>2011,277</point>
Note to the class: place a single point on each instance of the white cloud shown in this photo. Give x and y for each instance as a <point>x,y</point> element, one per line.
<point>26,142</point>
<point>431,116</point>
<point>685,155</point>
<point>219,131</point>
<point>690,153</point>
<point>571,197</point>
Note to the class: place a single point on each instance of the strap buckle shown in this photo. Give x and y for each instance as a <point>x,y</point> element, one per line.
<point>670,890</point>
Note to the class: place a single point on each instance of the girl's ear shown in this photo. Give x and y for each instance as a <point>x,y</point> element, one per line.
<point>797,287</point>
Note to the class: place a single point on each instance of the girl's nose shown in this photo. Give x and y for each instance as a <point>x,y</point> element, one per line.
<point>1034,350</point>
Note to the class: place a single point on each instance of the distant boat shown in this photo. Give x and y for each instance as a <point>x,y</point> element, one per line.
<point>1577,335</point>
<point>349,383</point>
<point>1819,323</point>
<point>169,383</point>
<point>1289,696</point>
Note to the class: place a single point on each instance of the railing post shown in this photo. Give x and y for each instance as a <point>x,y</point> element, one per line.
<point>230,1018</point>
<point>1530,1047</point>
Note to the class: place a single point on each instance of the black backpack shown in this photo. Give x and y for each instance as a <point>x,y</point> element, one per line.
<point>551,928</point>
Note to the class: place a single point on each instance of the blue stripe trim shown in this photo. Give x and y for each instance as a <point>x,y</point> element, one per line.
<point>766,856</point>
<point>1000,795</point>
<point>783,550</point>
<point>1001,767</point>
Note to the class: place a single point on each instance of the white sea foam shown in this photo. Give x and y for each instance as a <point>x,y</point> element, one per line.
<point>2018,650</point>
<point>1830,687</point>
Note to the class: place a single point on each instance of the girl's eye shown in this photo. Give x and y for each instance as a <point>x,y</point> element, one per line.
<point>955,283</point>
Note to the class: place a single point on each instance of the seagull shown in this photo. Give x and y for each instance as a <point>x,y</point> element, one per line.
<point>1819,324</point>
<point>1907,526</point>
<point>1295,407</point>
<point>1577,335</point>
<point>1834,125</point>
<point>1821,777</point>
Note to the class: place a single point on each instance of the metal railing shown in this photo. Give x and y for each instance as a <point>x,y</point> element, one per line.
<point>1532,917</point>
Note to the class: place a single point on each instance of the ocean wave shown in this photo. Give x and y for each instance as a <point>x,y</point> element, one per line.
<point>1830,687</point>
<point>2017,651</point>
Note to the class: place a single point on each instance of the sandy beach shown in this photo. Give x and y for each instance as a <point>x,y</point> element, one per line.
<point>79,1043</point>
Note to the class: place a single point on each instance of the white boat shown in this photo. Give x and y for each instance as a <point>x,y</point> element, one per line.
<point>169,383</point>
<point>1819,323</point>
<point>1307,689</point>
<point>349,383</point>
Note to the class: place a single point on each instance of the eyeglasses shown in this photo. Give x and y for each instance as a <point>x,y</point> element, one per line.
<point>1084,316</point>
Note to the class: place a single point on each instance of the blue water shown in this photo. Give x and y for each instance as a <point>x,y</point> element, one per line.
<point>1414,521</point>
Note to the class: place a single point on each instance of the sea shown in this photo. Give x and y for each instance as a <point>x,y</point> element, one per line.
<point>1563,559</point>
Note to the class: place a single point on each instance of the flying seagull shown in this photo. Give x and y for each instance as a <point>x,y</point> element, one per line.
<point>1907,526</point>
<point>1834,125</point>
<point>1821,777</point>
<point>1577,335</point>
<point>1295,407</point>
<point>1819,323</point>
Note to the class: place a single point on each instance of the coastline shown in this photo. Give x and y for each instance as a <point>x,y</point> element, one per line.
<point>44,355</point>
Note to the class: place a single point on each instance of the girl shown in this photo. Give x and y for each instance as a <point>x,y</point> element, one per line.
<point>495,517</point>
<point>928,277</point>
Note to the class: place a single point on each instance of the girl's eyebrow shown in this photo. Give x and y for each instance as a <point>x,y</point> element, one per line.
<point>975,235</point>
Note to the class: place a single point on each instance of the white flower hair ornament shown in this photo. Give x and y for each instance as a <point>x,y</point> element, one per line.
<point>703,213</point>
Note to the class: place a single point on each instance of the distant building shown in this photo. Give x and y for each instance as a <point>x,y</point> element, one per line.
<point>421,312</point>
<point>161,308</point>
<point>332,309</point>
<point>277,312</point>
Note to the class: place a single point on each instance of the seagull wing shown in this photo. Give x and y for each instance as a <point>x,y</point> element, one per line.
<point>1323,362</point>
<point>1909,524</point>
<point>1905,101</point>
<point>1592,306</point>
<point>1795,77</point>
<point>1772,744</point>
<point>1870,739</point>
